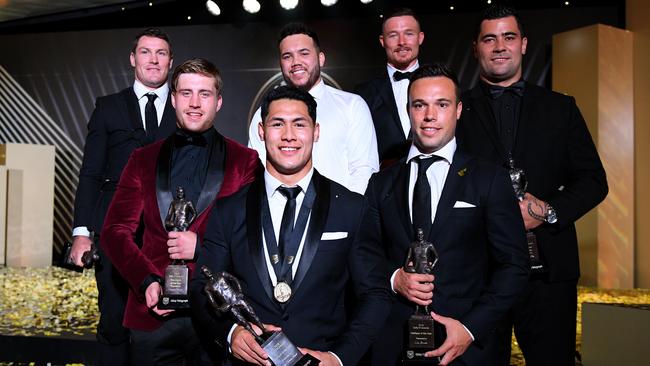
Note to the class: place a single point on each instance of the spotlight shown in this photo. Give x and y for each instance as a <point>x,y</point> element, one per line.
<point>328,2</point>
<point>451,7</point>
<point>366,1</point>
<point>251,6</point>
<point>566,3</point>
<point>288,4</point>
<point>489,1</point>
<point>213,8</point>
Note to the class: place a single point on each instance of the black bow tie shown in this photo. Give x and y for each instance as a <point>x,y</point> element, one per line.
<point>496,91</point>
<point>398,75</point>
<point>183,139</point>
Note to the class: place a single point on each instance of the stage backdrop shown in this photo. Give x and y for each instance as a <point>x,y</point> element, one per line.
<point>64,72</point>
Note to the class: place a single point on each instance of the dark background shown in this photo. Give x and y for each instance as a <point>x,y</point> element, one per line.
<point>64,61</point>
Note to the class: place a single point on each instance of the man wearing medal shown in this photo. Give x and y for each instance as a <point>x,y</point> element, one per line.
<point>291,240</point>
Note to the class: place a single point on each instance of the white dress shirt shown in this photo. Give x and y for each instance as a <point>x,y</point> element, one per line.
<point>347,149</point>
<point>140,92</point>
<point>277,201</point>
<point>400,92</point>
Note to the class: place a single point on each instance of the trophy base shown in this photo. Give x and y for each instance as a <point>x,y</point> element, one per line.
<point>284,353</point>
<point>174,302</point>
<point>536,264</point>
<point>420,341</point>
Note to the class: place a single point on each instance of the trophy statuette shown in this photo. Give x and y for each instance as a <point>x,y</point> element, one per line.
<point>180,215</point>
<point>225,295</point>
<point>421,258</point>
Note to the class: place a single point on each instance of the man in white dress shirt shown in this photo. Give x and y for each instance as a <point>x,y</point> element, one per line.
<point>347,149</point>
<point>386,94</point>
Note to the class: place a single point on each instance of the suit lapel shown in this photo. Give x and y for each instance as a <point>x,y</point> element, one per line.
<point>483,113</point>
<point>164,194</point>
<point>401,211</point>
<point>455,180</point>
<point>386,93</point>
<point>215,175</point>
<point>316,227</point>
<point>134,116</point>
<point>254,234</point>
<point>168,121</point>
<point>525,125</point>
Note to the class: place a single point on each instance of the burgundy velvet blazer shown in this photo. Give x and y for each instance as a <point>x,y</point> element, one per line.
<point>143,189</point>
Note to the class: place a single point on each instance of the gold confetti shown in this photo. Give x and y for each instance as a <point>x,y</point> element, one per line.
<point>462,172</point>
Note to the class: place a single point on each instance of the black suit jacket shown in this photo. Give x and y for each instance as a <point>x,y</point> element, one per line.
<point>554,148</point>
<point>316,316</point>
<point>378,94</point>
<point>115,129</point>
<point>483,263</point>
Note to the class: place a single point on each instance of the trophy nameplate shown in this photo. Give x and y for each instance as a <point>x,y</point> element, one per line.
<point>175,289</point>
<point>284,353</point>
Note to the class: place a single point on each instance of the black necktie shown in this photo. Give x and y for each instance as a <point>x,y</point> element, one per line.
<point>398,75</point>
<point>422,196</point>
<point>517,88</point>
<point>150,115</point>
<point>288,218</point>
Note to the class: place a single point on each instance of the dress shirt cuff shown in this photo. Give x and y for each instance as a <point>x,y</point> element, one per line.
<point>470,333</point>
<point>148,281</point>
<point>392,280</point>
<point>81,231</point>
<point>229,338</point>
<point>337,358</point>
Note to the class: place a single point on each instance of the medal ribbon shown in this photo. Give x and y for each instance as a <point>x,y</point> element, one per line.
<point>282,264</point>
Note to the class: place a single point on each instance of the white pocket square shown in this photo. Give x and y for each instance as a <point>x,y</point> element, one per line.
<point>463,204</point>
<point>334,235</point>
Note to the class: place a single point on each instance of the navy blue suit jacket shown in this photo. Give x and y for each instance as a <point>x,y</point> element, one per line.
<point>318,315</point>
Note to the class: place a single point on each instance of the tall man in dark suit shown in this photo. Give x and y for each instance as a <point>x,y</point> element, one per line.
<point>121,122</point>
<point>291,239</point>
<point>386,95</point>
<point>207,165</point>
<point>547,137</point>
<point>467,209</point>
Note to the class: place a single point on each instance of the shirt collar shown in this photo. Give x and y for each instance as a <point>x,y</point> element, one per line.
<point>141,90</point>
<point>446,152</point>
<point>271,183</point>
<point>391,69</point>
<point>318,89</point>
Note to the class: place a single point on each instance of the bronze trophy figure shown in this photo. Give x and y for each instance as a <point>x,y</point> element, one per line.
<point>519,184</point>
<point>180,215</point>
<point>421,258</point>
<point>225,295</point>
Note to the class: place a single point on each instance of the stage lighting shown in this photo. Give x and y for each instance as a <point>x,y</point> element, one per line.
<point>251,6</point>
<point>213,8</point>
<point>366,1</point>
<point>328,2</point>
<point>288,4</point>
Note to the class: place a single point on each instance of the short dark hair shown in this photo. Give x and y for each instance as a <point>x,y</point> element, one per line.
<point>289,92</point>
<point>398,12</point>
<point>197,66</point>
<point>432,71</point>
<point>299,28</point>
<point>152,32</point>
<point>497,11</point>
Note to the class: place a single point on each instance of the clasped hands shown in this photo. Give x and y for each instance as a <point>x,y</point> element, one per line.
<point>418,288</point>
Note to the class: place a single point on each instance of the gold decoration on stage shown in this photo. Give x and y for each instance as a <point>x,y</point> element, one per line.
<point>47,301</point>
<point>54,301</point>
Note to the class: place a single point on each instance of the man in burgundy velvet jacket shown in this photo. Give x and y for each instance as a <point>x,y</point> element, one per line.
<point>208,166</point>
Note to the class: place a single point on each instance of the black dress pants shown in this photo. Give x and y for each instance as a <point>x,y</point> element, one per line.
<point>112,337</point>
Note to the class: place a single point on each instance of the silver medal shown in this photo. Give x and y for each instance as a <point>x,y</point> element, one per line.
<point>282,292</point>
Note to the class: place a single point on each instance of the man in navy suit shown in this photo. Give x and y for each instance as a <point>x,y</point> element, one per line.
<point>120,123</point>
<point>544,133</point>
<point>291,238</point>
<point>401,38</point>
<point>467,209</point>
